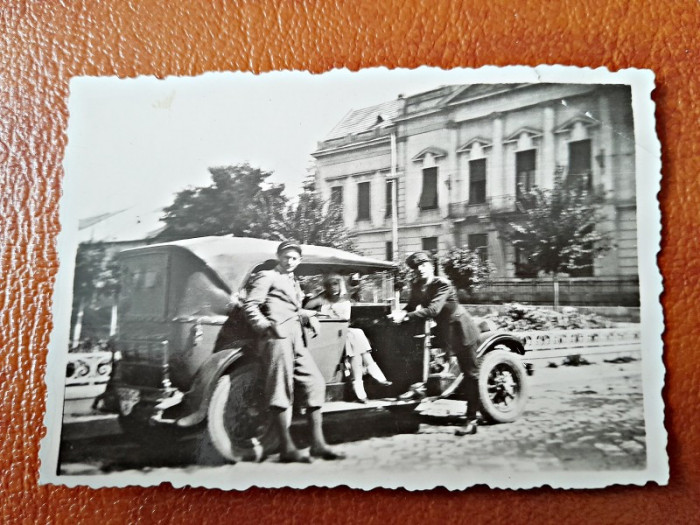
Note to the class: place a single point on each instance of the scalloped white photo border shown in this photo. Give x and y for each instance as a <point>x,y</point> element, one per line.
<point>648,179</point>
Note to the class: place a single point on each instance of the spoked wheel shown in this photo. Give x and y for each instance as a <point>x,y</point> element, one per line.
<point>239,422</point>
<point>503,388</point>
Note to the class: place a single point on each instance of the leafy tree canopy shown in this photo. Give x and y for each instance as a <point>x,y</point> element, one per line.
<point>239,201</point>
<point>557,232</point>
<point>95,272</point>
<point>466,268</point>
<point>313,221</point>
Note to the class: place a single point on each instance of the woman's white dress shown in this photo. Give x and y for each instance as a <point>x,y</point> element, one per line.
<point>356,342</point>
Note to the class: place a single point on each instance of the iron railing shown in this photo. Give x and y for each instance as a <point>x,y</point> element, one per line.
<point>88,368</point>
<point>536,340</point>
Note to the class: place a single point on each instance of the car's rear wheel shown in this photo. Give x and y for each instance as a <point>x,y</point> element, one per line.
<point>503,389</point>
<point>239,422</point>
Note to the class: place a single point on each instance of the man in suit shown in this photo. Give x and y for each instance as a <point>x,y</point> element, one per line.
<point>435,298</point>
<point>273,308</point>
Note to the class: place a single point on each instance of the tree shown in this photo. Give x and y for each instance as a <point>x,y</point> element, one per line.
<point>239,201</point>
<point>557,231</point>
<point>96,280</point>
<point>311,220</point>
<point>466,268</point>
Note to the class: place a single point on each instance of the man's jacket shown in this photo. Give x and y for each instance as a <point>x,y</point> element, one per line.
<point>273,304</point>
<point>439,302</point>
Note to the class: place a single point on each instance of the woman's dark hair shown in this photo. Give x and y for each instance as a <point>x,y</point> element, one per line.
<point>329,279</point>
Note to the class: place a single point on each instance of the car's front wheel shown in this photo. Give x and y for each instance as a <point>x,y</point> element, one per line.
<point>503,389</point>
<point>239,422</point>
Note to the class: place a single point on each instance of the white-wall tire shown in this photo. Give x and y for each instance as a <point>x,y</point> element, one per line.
<point>238,422</point>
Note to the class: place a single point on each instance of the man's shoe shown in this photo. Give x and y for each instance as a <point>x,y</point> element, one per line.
<point>294,457</point>
<point>415,391</point>
<point>328,454</point>
<point>469,429</point>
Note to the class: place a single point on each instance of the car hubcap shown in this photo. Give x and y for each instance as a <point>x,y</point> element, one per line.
<point>503,388</point>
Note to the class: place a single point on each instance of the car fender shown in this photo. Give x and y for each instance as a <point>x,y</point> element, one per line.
<point>489,341</point>
<point>198,397</point>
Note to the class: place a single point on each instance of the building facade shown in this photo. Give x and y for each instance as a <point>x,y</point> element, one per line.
<point>460,158</point>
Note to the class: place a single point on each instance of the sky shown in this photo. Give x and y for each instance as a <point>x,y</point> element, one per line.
<point>133,143</point>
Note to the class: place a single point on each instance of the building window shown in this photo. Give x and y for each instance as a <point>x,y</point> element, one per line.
<point>523,267</point>
<point>389,251</point>
<point>477,181</point>
<point>430,245</point>
<point>389,201</point>
<point>429,196</point>
<point>337,196</point>
<point>363,203</point>
<point>580,164</point>
<point>586,271</point>
<point>525,165</point>
<point>479,243</point>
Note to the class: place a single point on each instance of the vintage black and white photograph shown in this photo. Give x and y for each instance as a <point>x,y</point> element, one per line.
<point>404,279</point>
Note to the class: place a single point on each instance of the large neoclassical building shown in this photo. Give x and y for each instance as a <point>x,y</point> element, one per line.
<point>464,154</point>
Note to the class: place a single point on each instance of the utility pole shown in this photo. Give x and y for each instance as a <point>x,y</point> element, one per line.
<point>394,200</point>
<point>394,211</point>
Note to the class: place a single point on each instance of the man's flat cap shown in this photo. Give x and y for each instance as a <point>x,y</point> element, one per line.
<point>416,259</point>
<point>288,245</point>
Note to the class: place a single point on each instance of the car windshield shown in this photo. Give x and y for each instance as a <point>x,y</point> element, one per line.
<point>374,288</point>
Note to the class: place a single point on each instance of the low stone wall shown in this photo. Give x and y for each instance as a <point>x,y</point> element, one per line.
<point>549,344</point>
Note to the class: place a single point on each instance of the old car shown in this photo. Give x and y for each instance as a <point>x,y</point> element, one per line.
<point>187,357</point>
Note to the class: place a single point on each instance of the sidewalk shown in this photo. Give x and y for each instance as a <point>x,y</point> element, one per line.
<point>96,424</point>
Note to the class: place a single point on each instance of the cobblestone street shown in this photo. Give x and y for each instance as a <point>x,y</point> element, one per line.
<point>587,418</point>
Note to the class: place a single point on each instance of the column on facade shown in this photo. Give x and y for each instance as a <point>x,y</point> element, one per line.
<point>606,145</point>
<point>322,187</point>
<point>494,172</point>
<point>609,264</point>
<point>444,167</point>
<point>378,199</point>
<point>457,176</point>
<point>412,185</point>
<point>498,251</point>
<point>349,203</point>
<point>546,171</point>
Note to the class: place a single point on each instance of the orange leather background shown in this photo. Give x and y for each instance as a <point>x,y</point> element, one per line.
<point>44,43</point>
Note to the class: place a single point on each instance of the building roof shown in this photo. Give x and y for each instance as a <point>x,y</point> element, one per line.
<point>364,119</point>
<point>380,115</point>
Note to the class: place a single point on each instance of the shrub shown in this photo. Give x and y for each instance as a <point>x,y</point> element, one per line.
<point>466,268</point>
<point>522,318</point>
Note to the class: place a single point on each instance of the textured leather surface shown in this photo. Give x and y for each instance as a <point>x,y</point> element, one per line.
<point>42,44</point>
